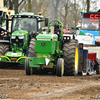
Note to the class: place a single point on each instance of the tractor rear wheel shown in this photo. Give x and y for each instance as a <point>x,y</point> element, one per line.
<point>28,69</point>
<point>60,67</point>
<point>71,57</point>
<point>97,68</point>
<point>4,48</point>
<point>31,52</point>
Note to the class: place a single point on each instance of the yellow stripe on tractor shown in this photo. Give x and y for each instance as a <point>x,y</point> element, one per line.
<point>6,58</point>
<point>20,58</point>
<point>25,33</point>
<point>12,59</point>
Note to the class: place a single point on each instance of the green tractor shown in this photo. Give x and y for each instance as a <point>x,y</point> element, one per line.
<point>14,47</point>
<point>54,51</point>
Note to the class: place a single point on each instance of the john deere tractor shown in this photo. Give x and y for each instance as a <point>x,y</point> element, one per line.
<point>25,27</point>
<point>54,51</point>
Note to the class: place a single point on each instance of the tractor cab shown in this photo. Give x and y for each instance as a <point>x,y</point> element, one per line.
<point>24,23</point>
<point>89,27</point>
<point>27,22</point>
<point>3,14</point>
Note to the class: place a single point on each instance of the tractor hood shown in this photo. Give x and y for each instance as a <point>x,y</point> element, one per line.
<point>47,36</point>
<point>19,33</point>
<point>46,44</point>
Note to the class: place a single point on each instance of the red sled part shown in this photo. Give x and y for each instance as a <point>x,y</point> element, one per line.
<point>92,57</point>
<point>65,31</point>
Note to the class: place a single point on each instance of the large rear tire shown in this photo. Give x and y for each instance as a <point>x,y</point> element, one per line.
<point>4,48</point>
<point>60,67</point>
<point>28,69</point>
<point>97,68</point>
<point>71,57</point>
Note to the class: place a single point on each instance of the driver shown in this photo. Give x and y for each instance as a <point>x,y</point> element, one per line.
<point>27,26</point>
<point>91,26</point>
<point>57,31</point>
<point>2,34</point>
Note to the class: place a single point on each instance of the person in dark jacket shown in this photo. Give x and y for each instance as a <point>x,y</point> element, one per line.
<point>2,34</point>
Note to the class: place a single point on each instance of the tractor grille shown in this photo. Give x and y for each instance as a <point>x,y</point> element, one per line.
<point>18,41</point>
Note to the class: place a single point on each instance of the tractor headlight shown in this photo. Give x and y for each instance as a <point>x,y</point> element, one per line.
<point>21,37</point>
<point>13,37</point>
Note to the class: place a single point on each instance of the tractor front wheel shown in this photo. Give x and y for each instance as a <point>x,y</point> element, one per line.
<point>60,67</point>
<point>28,69</point>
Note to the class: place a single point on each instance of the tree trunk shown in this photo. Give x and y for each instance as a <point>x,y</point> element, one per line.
<point>75,12</point>
<point>56,13</point>
<point>29,5</point>
<point>10,5</point>
<point>5,2</point>
<point>88,5</point>
<point>16,5</point>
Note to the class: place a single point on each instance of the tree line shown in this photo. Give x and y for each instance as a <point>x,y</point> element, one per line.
<point>67,11</point>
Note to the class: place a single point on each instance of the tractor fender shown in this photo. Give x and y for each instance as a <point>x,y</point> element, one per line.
<point>5,41</point>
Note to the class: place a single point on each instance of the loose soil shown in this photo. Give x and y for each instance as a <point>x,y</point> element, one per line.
<point>17,85</point>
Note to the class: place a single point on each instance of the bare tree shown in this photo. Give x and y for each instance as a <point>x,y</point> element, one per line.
<point>93,5</point>
<point>53,8</point>
<point>88,5</point>
<point>76,12</point>
<point>40,6</point>
<point>68,11</point>
<point>29,5</point>
<point>64,12</point>
<point>5,2</point>
<point>13,4</point>
<point>55,4</point>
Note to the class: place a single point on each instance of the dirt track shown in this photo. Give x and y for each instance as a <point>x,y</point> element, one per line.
<point>17,85</point>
